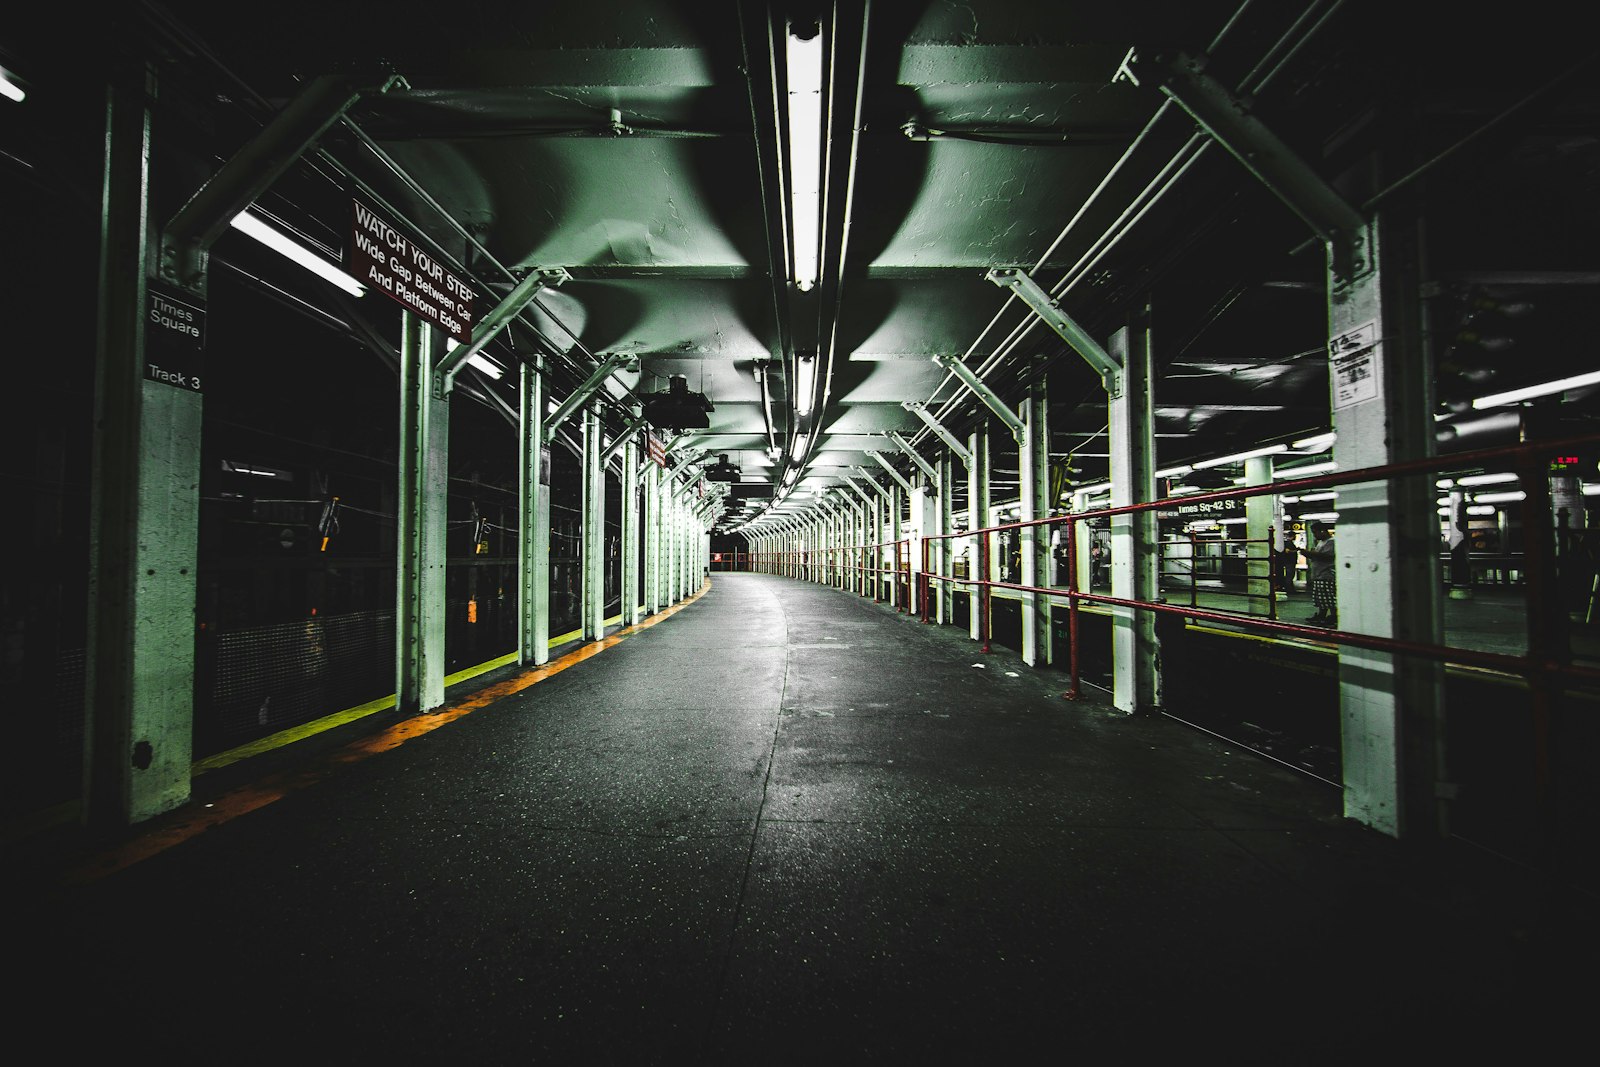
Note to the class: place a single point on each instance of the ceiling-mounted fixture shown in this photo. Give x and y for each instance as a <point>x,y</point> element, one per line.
<point>1543,389</point>
<point>251,226</point>
<point>11,86</point>
<point>479,360</point>
<point>1264,450</point>
<point>805,382</point>
<point>722,470</point>
<point>803,72</point>
<point>677,407</point>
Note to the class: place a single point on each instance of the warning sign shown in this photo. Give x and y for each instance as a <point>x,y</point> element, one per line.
<point>1355,365</point>
<point>380,255</point>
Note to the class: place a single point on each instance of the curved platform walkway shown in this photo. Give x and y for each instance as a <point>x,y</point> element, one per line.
<point>787,824</point>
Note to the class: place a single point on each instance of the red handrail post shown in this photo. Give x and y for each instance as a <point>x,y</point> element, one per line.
<point>923,595</point>
<point>983,589</point>
<point>1072,606</point>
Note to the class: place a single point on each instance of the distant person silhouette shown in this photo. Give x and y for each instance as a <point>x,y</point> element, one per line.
<point>1319,557</point>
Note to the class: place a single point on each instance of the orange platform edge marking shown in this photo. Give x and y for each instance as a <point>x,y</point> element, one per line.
<point>248,798</point>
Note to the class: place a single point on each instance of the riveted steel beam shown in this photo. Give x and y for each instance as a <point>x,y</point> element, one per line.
<point>187,238</point>
<point>1049,309</point>
<point>581,395</point>
<point>905,483</point>
<point>950,440</point>
<point>496,320</point>
<point>922,464</point>
<point>1231,123</point>
<point>990,400</point>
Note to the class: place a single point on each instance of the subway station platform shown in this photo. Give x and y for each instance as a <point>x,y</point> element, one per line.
<point>783,823</point>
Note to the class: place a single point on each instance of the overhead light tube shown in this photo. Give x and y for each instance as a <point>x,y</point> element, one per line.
<point>803,68</point>
<point>9,87</point>
<point>805,383</point>
<point>248,224</point>
<point>1529,392</point>
<point>1264,450</point>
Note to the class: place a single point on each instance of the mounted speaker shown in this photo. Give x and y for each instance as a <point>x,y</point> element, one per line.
<point>677,407</point>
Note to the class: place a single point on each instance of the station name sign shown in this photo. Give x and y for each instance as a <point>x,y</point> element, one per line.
<point>383,256</point>
<point>1231,505</point>
<point>174,338</point>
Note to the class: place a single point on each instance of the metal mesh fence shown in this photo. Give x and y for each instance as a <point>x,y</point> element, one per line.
<point>266,678</point>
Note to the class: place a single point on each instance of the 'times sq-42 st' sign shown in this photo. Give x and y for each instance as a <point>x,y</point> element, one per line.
<point>379,254</point>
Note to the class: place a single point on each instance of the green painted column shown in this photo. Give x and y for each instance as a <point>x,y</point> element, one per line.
<point>1033,475</point>
<point>977,518</point>
<point>143,512</point>
<point>1136,680</point>
<point>1390,707</point>
<point>593,609</point>
<point>421,504</point>
<point>630,534</point>
<point>533,522</point>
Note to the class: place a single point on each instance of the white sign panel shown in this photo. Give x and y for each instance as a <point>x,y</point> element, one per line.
<point>1356,365</point>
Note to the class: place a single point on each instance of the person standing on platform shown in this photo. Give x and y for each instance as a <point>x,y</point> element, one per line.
<point>1319,558</point>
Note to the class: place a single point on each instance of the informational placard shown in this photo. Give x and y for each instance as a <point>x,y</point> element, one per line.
<point>383,256</point>
<point>657,450</point>
<point>1355,363</point>
<point>174,338</point>
<point>1212,508</point>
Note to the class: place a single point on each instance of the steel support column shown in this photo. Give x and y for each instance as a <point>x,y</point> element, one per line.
<point>422,505</point>
<point>942,555</point>
<point>1135,551</point>
<point>533,521</point>
<point>1258,530</point>
<point>629,549</point>
<point>593,610</point>
<point>1390,707</point>
<point>1033,477</point>
<point>143,513</point>
<point>977,519</point>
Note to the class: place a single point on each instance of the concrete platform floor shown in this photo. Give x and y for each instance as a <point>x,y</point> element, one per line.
<point>784,824</point>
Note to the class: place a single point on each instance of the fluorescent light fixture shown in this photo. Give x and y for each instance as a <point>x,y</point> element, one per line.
<point>1264,450</point>
<point>248,224</point>
<point>1174,472</point>
<point>1482,509</point>
<point>1592,489</point>
<point>1184,490</point>
<point>1308,497</point>
<point>1325,516</point>
<point>805,383</point>
<point>1445,483</point>
<point>1511,396</point>
<point>477,359</point>
<point>1499,498</point>
<point>801,442</point>
<point>1231,522</point>
<point>9,88</point>
<point>803,68</point>
<point>1486,479</point>
<point>1306,471</point>
<point>1318,443</point>
<point>1445,512</point>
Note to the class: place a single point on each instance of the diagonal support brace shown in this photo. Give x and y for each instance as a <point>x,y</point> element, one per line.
<point>905,483</point>
<point>921,411</point>
<point>444,377</point>
<point>581,395</point>
<point>922,464</point>
<point>993,402</point>
<point>1049,309</point>
<point>1229,121</point>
